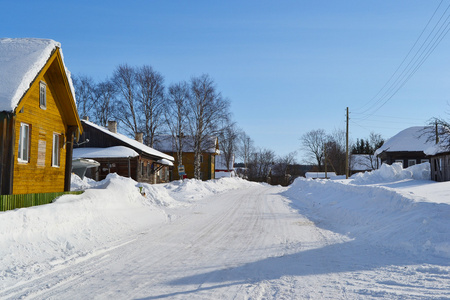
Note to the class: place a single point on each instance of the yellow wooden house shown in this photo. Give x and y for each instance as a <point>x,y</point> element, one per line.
<point>38,117</point>
<point>166,144</point>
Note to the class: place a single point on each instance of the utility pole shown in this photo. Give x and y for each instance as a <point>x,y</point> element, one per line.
<point>346,149</point>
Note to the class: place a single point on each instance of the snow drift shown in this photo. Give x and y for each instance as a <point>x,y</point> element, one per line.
<point>38,239</point>
<point>378,214</point>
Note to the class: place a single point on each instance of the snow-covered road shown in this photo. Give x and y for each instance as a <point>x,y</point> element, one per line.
<point>250,243</point>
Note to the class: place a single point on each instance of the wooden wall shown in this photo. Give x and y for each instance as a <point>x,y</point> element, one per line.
<point>207,167</point>
<point>31,177</point>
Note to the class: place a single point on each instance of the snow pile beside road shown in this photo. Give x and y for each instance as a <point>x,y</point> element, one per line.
<point>377,214</point>
<point>48,236</point>
<point>394,172</point>
<point>38,239</point>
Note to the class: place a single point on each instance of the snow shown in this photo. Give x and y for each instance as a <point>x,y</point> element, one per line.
<point>410,140</point>
<point>109,152</point>
<point>380,234</point>
<point>131,142</point>
<point>21,60</point>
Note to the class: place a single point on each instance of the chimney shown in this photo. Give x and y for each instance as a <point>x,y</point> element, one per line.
<point>112,126</point>
<point>140,137</point>
<point>86,118</point>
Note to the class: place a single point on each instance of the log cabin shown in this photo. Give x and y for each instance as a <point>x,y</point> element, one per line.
<point>38,117</point>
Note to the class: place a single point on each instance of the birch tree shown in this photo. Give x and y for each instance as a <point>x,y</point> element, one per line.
<point>175,112</point>
<point>85,93</point>
<point>103,103</point>
<point>150,99</point>
<point>207,109</point>
<point>228,143</point>
<point>127,107</point>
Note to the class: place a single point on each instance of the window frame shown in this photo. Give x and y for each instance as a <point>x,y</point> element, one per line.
<point>22,135</point>
<point>42,95</point>
<point>412,162</point>
<point>56,150</point>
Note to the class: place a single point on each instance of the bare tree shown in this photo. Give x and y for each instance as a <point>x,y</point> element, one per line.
<point>228,143</point>
<point>282,164</point>
<point>104,97</point>
<point>175,112</point>
<point>125,81</point>
<point>150,96</point>
<point>207,110</point>
<point>335,151</point>
<point>260,164</point>
<point>313,143</point>
<point>245,147</point>
<point>85,93</point>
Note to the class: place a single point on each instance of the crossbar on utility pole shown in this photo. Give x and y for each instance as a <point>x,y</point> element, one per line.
<point>346,149</point>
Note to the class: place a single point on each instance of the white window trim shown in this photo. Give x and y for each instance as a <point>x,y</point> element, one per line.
<point>42,96</point>
<point>20,157</point>
<point>56,156</point>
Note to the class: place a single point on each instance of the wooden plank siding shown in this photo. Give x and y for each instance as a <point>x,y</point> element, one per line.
<point>440,167</point>
<point>207,167</point>
<point>31,177</point>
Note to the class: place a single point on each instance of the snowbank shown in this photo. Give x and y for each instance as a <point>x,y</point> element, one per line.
<point>378,214</point>
<point>394,172</point>
<point>38,239</point>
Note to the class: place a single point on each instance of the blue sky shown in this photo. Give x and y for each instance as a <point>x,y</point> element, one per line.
<point>287,67</point>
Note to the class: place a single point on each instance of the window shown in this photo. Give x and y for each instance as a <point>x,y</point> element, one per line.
<point>24,143</point>
<point>42,95</point>
<point>411,162</point>
<point>56,152</point>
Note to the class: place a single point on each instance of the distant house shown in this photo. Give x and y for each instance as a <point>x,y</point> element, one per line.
<point>406,147</point>
<point>363,163</point>
<point>320,175</point>
<point>38,117</point>
<point>222,170</point>
<point>120,154</point>
<point>166,144</point>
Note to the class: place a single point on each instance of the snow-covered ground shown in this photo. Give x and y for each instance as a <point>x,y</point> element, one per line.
<point>384,234</point>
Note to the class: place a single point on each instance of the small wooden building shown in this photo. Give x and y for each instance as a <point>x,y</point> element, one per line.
<point>38,117</point>
<point>166,144</point>
<point>439,155</point>
<point>120,154</point>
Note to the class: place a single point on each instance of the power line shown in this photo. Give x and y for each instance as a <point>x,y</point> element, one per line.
<point>427,47</point>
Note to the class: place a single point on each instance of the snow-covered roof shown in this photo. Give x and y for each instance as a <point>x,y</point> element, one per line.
<point>165,162</point>
<point>109,152</point>
<point>412,139</point>
<point>166,143</point>
<point>133,143</point>
<point>21,60</point>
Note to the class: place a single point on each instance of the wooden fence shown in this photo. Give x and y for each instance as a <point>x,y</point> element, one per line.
<point>8,202</point>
